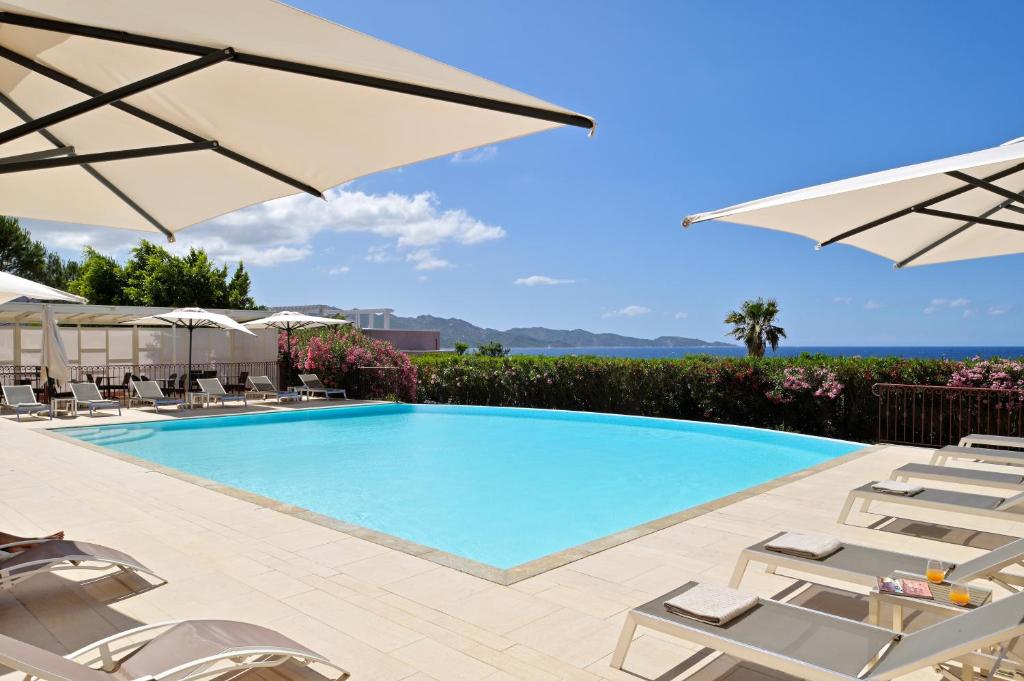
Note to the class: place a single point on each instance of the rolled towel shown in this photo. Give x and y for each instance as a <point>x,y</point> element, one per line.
<point>805,545</point>
<point>716,605</point>
<point>904,489</point>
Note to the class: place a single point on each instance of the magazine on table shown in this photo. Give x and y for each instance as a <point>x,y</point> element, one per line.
<point>913,588</point>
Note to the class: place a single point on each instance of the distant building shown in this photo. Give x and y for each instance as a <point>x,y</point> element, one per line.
<point>375,323</point>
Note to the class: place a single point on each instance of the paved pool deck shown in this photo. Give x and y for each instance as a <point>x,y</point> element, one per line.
<point>388,615</point>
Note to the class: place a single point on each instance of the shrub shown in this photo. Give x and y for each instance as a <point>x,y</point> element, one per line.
<point>341,357</point>
<point>492,349</point>
<point>814,394</point>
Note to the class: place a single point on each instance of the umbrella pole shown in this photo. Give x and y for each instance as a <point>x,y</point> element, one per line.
<point>188,374</point>
<point>288,360</point>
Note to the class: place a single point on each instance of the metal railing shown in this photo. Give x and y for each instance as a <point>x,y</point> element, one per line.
<point>171,377</point>
<point>938,415</point>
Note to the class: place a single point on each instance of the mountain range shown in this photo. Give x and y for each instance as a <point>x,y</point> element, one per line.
<point>455,329</point>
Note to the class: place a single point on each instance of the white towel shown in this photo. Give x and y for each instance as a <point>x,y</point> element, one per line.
<point>893,487</point>
<point>716,605</point>
<point>805,545</point>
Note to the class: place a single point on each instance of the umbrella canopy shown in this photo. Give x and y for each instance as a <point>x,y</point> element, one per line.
<point>956,208</point>
<point>154,115</point>
<point>290,321</point>
<point>191,318</point>
<point>55,355</point>
<point>12,287</point>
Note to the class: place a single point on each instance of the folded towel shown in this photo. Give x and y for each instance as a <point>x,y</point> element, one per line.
<point>805,545</point>
<point>716,605</point>
<point>893,487</point>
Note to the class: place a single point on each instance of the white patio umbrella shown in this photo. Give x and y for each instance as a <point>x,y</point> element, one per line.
<point>957,208</point>
<point>191,318</point>
<point>289,321</point>
<point>13,286</point>
<point>154,115</point>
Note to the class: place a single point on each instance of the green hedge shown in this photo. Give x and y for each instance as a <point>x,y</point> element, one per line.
<point>819,395</point>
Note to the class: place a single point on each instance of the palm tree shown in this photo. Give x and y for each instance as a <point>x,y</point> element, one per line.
<point>754,324</point>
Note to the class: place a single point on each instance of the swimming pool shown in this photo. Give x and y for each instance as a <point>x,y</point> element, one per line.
<point>496,485</point>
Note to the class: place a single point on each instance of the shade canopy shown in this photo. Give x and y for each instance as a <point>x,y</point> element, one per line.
<point>191,318</point>
<point>54,354</point>
<point>12,287</point>
<point>154,116</point>
<point>290,321</point>
<point>956,208</point>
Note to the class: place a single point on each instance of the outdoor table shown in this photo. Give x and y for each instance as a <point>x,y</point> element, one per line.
<point>200,399</point>
<point>940,602</point>
<point>68,405</point>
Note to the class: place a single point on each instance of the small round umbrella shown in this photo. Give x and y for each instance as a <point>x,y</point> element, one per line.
<point>290,321</point>
<point>191,318</point>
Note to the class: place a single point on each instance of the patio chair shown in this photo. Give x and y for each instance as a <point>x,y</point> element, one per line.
<point>863,565</point>
<point>88,394</point>
<point>149,392</point>
<point>312,385</point>
<point>961,476</point>
<point>810,644</point>
<point>981,505</point>
<point>1001,456</point>
<point>212,388</point>
<point>187,649</point>
<point>263,387</point>
<point>22,399</point>
<point>240,385</point>
<point>56,555</point>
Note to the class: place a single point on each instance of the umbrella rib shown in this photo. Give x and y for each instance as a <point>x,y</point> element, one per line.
<point>99,177</point>
<point>981,220</point>
<point>104,156</point>
<point>116,95</point>
<point>340,75</point>
<point>68,81</point>
<point>1006,172</point>
<point>37,155</point>
<point>982,184</point>
<point>959,230</point>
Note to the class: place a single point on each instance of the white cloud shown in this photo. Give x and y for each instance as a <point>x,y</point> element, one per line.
<point>999,310</point>
<point>959,302</point>
<point>282,230</point>
<point>947,303</point>
<point>682,315</point>
<point>930,309</point>
<point>938,302</point>
<point>541,280</point>
<point>872,305</point>
<point>475,155</point>
<point>628,311</point>
<point>334,271</point>
<point>842,300</point>
<point>426,260</point>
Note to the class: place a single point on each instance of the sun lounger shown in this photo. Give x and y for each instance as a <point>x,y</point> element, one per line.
<point>975,439</point>
<point>263,387</point>
<point>149,392</point>
<point>962,476</point>
<point>22,399</point>
<point>213,390</point>
<point>809,644</point>
<point>55,555</point>
<point>189,649</point>
<point>1002,456</point>
<point>312,385</point>
<point>859,564</point>
<point>88,395</point>
<point>982,505</point>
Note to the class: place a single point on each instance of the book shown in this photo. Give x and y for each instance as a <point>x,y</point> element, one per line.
<point>912,588</point>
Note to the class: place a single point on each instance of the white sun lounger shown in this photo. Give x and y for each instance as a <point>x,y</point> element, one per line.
<point>818,646</point>
<point>149,392</point>
<point>214,390</point>
<point>983,454</point>
<point>169,651</point>
<point>88,394</point>
<point>961,476</point>
<point>22,399</point>
<point>982,505</point>
<point>975,439</point>
<point>863,565</point>
<point>263,387</point>
<point>55,555</point>
<point>312,385</point>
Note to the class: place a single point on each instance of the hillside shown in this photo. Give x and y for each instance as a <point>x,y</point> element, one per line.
<point>454,329</point>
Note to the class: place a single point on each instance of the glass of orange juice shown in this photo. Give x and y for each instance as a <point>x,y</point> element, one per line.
<point>959,594</point>
<point>935,572</point>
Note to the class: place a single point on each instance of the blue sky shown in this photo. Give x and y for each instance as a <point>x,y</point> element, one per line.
<point>699,105</point>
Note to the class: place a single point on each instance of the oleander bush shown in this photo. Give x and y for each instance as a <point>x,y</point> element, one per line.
<point>814,394</point>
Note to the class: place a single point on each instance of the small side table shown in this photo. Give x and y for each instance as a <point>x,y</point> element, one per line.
<point>68,405</point>
<point>198,399</point>
<point>940,602</point>
<point>300,390</point>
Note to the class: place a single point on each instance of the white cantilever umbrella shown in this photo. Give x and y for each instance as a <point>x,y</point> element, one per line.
<point>13,286</point>
<point>154,116</point>
<point>289,321</point>
<point>191,318</point>
<point>957,208</point>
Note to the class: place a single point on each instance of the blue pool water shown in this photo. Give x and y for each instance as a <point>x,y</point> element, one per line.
<point>499,486</point>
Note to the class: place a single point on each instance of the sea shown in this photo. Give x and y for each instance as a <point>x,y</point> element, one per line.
<point>906,351</point>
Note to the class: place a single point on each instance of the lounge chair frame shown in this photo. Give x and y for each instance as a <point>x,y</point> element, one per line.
<point>312,385</point>
<point>270,391</point>
<point>975,439</point>
<point>960,476</point>
<point>940,457</point>
<point>156,401</point>
<point>64,563</point>
<point>223,396</point>
<point>868,496</point>
<point>31,408</point>
<point>91,403</point>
